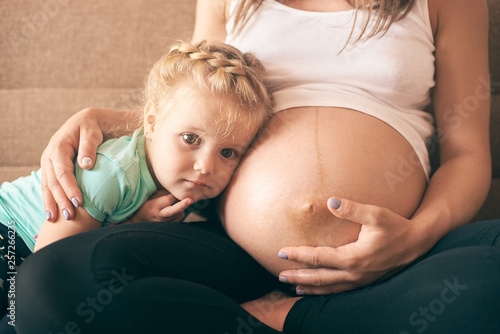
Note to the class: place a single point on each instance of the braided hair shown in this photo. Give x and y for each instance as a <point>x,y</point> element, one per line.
<point>235,77</point>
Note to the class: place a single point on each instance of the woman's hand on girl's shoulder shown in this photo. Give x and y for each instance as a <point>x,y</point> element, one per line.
<point>80,133</point>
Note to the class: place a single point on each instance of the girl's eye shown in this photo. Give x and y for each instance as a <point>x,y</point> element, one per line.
<point>191,139</point>
<point>227,153</point>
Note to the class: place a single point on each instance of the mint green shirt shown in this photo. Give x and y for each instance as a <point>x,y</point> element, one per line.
<point>113,190</point>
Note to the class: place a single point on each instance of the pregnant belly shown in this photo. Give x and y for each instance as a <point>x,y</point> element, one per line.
<point>278,196</point>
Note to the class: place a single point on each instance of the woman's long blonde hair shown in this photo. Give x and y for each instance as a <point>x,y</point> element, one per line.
<point>386,11</point>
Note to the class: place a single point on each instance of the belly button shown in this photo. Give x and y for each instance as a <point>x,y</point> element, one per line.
<point>309,208</point>
<point>303,210</point>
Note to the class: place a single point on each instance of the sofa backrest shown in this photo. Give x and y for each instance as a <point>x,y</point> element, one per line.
<point>59,56</point>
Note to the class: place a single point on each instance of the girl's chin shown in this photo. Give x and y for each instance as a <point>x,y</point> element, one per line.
<point>196,196</point>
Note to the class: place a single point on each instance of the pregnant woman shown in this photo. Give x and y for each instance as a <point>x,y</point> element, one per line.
<point>335,199</point>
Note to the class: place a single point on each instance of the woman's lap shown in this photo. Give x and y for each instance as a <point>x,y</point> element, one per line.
<point>453,289</point>
<point>140,278</point>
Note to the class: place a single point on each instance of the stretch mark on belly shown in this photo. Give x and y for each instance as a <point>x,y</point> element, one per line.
<point>316,143</point>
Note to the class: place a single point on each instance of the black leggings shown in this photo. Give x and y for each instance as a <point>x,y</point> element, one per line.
<point>185,278</point>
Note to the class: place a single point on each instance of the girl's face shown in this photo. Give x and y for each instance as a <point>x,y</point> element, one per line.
<point>187,155</point>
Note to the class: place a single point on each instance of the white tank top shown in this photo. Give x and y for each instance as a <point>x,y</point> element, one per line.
<point>388,76</point>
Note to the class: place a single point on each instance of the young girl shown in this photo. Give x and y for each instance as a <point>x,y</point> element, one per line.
<point>205,104</point>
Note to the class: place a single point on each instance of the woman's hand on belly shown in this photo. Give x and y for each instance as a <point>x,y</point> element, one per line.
<point>382,249</point>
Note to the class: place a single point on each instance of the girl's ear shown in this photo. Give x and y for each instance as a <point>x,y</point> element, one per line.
<point>149,118</point>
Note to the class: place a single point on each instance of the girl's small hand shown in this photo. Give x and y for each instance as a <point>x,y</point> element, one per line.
<point>162,206</point>
<point>386,243</point>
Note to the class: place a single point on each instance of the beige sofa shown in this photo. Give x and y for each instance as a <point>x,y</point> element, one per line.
<point>59,56</point>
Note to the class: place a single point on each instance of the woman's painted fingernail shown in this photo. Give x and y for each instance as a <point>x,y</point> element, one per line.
<point>334,203</point>
<point>284,279</point>
<point>75,202</point>
<point>48,214</point>
<point>66,214</point>
<point>283,255</point>
<point>301,292</point>
<point>86,162</point>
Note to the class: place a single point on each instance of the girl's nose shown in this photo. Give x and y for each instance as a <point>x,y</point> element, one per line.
<point>204,164</point>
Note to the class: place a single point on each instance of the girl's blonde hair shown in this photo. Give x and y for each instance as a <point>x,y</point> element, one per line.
<point>236,78</point>
<point>386,11</point>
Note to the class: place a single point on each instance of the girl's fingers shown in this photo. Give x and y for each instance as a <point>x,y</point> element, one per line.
<point>176,208</point>
<point>163,201</point>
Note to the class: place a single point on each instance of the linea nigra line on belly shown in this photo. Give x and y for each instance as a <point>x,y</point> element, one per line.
<point>319,165</point>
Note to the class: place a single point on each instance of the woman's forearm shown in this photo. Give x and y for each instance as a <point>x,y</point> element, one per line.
<point>460,185</point>
<point>454,195</point>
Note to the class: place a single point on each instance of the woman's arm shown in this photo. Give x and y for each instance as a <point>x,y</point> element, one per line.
<point>210,22</point>
<point>50,232</point>
<point>81,133</point>
<point>388,242</point>
<point>462,110</point>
